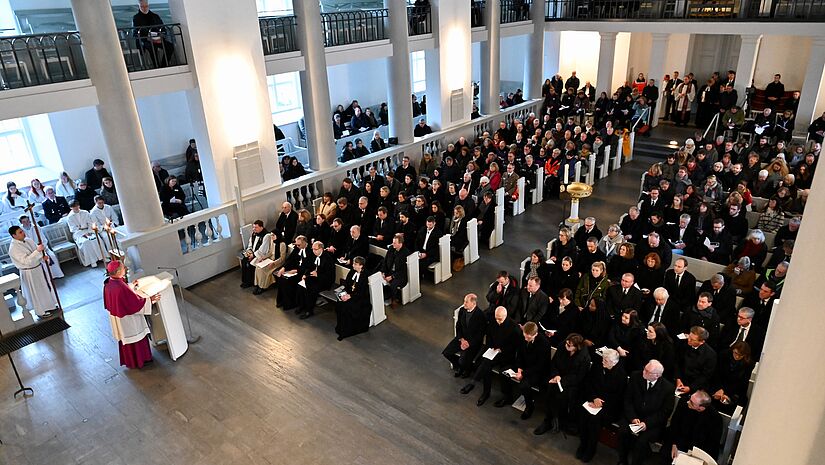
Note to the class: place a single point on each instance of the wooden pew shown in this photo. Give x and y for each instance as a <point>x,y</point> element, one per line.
<point>539,186</point>
<point>442,269</point>
<point>376,299</point>
<point>497,237</point>
<point>412,290</point>
<point>471,251</point>
<point>518,205</point>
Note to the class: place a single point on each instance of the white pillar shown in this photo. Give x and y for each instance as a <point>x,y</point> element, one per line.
<point>449,65</point>
<point>810,87</point>
<point>230,106</point>
<point>746,65</point>
<point>491,59</point>
<point>656,69</point>
<point>534,66</point>
<point>607,51</point>
<point>117,111</point>
<point>315,87</point>
<point>398,73</point>
<point>552,49</point>
<point>784,419</point>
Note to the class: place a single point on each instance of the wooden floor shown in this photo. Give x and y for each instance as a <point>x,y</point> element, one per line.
<point>263,387</point>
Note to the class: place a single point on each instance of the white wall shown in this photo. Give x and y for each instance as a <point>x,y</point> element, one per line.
<point>579,52</point>
<point>638,60</point>
<point>476,60</point>
<point>786,55</point>
<point>620,60</point>
<point>513,57</point>
<point>365,81</point>
<point>677,53</point>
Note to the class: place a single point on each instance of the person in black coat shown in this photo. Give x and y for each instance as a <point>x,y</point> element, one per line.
<point>394,268</point>
<point>94,177</point>
<point>531,366</point>
<point>172,199</point>
<point>290,274</point>
<point>319,276</point>
<point>729,385</point>
<point>720,244</point>
<point>55,207</point>
<point>470,328</point>
<point>85,195</point>
<point>681,285</point>
<point>604,388</point>
<point>565,277</point>
<point>504,337</point>
<point>589,255</point>
<point>383,228</point>
<point>561,318</point>
<point>762,303</point>
<point>588,230</point>
<point>285,225</point>
<point>695,423</point>
<point>503,292</point>
<point>704,315</point>
<point>662,309</point>
<point>593,323</point>
<point>486,216</point>
<point>538,267</point>
<point>657,245</point>
<point>745,330</point>
<point>532,303</point>
<point>724,297</point>
<point>353,309</point>
<point>633,225</point>
<point>648,402</point>
<point>568,369</point>
<point>457,228</point>
<point>155,40</point>
<point>658,345</point>
<point>426,244</point>
<point>695,367</point>
<point>357,246</point>
<point>338,237</point>
<point>622,296</point>
<point>565,246</point>
<point>626,337</point>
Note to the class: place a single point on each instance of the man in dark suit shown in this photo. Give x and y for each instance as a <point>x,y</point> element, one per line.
<point>504,338</point>
<point>724,297</point>
<point>682,237</point>
<point>350,192</point>
<point>588,230</point>
<point>426,244</point>
<point>695,367</point>
<point>651,204</point>
<point>288,276</point>
<point>94,177</point>
<point>406,227</point>
<point>762,304</point>
<point>470,328</point>
<point>319,276</point>
<point>377,179</point>
<point>719,244</point>
<point>357,246</point>
<point>662,309</point>
<point>681,284</point>
<point>623,296</point>
<point>657,245</point>
<point>744,331</point>
<point>394,268</point>
<point>55,207</point>
<point>695,423</point>
<point>531,367</point>
<point>338,237</point>
<point>532,302</point>
<point>486,218</point>
<point>647,405</point>
<point>382,229</point>
<point>589,255</point>
<point>286,225</point>
<point>703,314</point>
<point>503,293</point>
<point>364,215</point>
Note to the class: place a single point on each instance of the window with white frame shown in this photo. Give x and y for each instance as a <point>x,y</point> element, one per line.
<point>285,97</point>
<point>15,146</point>
<point>419,76</point>
<point>274,7</point>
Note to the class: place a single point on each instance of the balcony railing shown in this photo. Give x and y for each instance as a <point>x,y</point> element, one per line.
<point>152,47</point>
<point>33,60</point>
<point>354,27</point>
<point>420,20</point>
<point>743,10</point>
<point>278,34</point>
<point>477,13</point>
<point>513,11</point>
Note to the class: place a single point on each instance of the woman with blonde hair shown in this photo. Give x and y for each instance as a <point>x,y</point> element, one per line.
<point>593,285</point>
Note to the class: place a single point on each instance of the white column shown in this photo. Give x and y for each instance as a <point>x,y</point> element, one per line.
<point>230,106</point>
<point>552,49</point>
<point>449,65</point>
<point>491,59</point>
<point>398,73</point>
<point>607,51</point>
<point>534,66</point>
<point>746,65</point>
<point>315,87</point>
<point>784,419</point>
<point>658,55</point>
<point>811,86</point>
<point>117,111</point>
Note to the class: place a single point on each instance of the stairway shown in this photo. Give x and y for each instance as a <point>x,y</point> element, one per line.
<point>665,138</point>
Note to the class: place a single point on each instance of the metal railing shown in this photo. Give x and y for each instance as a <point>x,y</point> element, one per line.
<point>477,13</point>
<point>748,10</point>
<point>354,27</point>
<point>420,19</point>
<point>513,11</point>
<point>37,59</point>
<point>278,34</point>
<point>152,47</point>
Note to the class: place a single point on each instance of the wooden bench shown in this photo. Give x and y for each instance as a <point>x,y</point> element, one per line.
<point>442,269</point>
<point>412,291</point>
<point>497,237</point>
<point>60,241</point>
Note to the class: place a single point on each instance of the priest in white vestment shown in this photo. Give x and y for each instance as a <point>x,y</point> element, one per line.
<point>80,224</point>
<point>28,258</point>
<point>54,263</point>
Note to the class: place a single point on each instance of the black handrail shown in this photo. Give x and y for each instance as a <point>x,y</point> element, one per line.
<point>278,34</point>
<point>37,59</point>
<point>477,13</point>
<point>354,27</point>
<point>702,10</point>
<point>513,11</point>
<point>420,20</point>
<point>152,47</point>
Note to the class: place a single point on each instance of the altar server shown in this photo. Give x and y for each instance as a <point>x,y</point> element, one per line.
<point>54,263</point>
<point>28,258</point>
<point>126,315</point>
<point>80,224</point>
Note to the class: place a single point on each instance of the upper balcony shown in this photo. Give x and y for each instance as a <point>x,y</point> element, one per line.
<point>514,11</point>
<point>152,47</point>
<point>354,27</point>
<point>682,10</point>
<point>38,59</point>
<point>420,20</point>
<point>278,34</point>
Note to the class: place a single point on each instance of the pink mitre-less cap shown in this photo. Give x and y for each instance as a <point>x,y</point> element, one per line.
<point>113,266</point>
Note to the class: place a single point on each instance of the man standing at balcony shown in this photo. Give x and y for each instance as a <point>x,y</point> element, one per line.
<point>151,38</point>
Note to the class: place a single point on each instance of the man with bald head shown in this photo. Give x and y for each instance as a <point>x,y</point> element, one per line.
<point>318,276</point>
<point>695,423</point>
<point>504,338</point>
<point>470,327</point>
<point>647,405</point>
<point>286,224</point>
